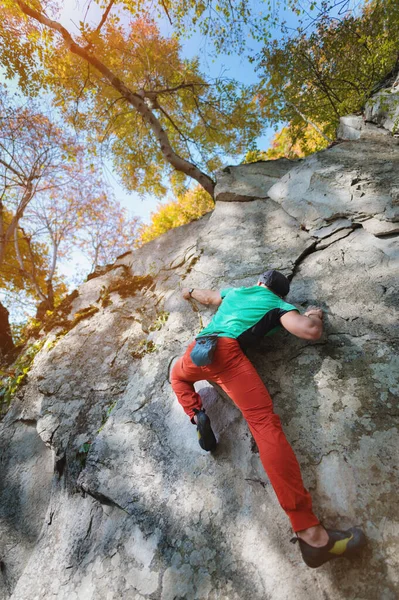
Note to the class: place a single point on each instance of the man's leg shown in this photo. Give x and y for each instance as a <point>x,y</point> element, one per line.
<point>184,374</point>
<point>239,379</point>
<point>236,375</point>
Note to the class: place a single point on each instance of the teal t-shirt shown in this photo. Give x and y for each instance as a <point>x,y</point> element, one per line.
<point>247,314</point>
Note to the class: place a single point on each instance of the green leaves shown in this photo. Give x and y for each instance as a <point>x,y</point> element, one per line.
<point>12,379</point>
<point>84,448</point>
<point>313,79</point>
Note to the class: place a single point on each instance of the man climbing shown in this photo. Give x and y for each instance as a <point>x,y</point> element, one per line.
<point>244,316</point>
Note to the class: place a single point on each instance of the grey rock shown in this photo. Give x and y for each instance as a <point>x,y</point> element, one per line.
<point>105,492</point>
<point>349,181</point>
<point>383,109</point>
<point>354,127</point>
<point>335,237</point>
<point>330,229</point>
<point>378,227</point>
<point>25,491</point>
<point>247,182</point>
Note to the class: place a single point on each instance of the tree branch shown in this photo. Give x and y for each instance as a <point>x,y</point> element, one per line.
<point>319,131</point>
<point>167,12</point>
<point>207,125</point>
<point>151,93</point>
<point>179,163</point>
<point>31,276</point>
<point>8,166</point>
<point>104,17</point>
<point>27,195</point>
<point>322,84</point>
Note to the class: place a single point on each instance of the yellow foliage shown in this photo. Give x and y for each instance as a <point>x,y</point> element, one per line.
<point>202,119</point>
<point>296,142</point>
<point>190,206</point>
<point>290,142</point>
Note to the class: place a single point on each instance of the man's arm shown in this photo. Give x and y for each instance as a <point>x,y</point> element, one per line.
<point>203,296</point>
<point>308,326</point>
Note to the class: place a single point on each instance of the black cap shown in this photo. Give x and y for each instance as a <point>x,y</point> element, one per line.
<point>276,282</point>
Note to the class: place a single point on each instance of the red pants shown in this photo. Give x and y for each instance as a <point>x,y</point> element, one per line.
<point>236,375</point>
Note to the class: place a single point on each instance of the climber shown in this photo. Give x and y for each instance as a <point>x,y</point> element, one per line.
<point>244,316</point>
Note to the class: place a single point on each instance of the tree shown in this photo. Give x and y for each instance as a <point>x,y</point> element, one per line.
<point>129,86</point>
<point>314,78</point>
<point>290,142</point>
<point>106,230</point>
<point>53,220</point>
<point>228,25</point>
<point>51,199</point>
<point>6,341</point>
<point>23,275</point>
<point>36,158</point>
<point>25,264</point>
<point>190,206</point>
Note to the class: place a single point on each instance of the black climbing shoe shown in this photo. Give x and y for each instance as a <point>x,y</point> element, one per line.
<point>340,544</point>
<point>206,437</point>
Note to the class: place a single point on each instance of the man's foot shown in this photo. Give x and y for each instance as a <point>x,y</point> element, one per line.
<point>206,437</point>
<point>340,544</point>
<point>314,536</point>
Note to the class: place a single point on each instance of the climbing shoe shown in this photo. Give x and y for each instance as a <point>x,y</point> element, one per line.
<point>341,543</point>
<point>206,437</point>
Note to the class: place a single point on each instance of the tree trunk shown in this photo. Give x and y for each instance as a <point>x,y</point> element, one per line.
<point>47,304</point>
<point>6,343</point>
<point>9,232</point>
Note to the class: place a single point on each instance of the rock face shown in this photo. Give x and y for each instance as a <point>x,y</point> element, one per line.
<point>383,108</point>
<point>381,116</point>
<point>105,491</point>
<point>249,182</point>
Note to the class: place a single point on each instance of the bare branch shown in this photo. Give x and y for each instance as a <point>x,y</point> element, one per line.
<point>8,166</point>
<point>166,11</point>
<point>319,131</point>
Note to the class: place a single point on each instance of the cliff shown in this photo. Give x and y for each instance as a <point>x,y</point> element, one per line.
<point>105,492</point>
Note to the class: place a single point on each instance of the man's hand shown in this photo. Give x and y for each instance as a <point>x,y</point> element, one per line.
<point>313,310</point>
<point>308,326</point>
<point>186,293</point>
